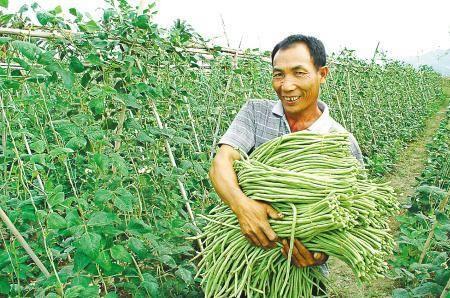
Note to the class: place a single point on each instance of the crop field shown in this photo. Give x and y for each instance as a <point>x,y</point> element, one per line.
<point>107,136</point>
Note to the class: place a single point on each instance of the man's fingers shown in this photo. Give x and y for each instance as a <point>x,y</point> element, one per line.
<point>262,239</point>
<point>296,258</point>
<point>253,239</point>
<point>306,254</point>
<point>270,234</point>
<point>285,252</point>
<point>320,258</point>
<point>274,214</point>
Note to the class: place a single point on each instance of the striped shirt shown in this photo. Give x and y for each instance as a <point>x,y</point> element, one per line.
<point>260,121</point>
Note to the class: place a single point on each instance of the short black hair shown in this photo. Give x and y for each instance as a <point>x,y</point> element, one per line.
<point>315,46</point>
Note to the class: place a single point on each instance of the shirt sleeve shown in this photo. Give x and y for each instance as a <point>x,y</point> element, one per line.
<point>241,133</point>
<point>356,151</point>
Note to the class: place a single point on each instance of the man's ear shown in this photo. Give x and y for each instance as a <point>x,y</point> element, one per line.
<point>323,72</point>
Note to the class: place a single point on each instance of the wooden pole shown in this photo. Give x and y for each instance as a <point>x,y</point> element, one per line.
<point>23,242</point>
<point>174,164</point>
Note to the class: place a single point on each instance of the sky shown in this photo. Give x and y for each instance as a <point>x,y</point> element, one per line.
<point>403,28</point>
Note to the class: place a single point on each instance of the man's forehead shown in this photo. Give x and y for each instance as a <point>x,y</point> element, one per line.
<point>297,55</point>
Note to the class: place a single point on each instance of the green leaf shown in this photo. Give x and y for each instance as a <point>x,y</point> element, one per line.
<point>4,3</point>
<point>97,106</point>
<point>427,289</point>
<point>89,27</point>
<point>4,19</point>
<point>168,260</point>
<point>57,10</point>
<point>67,77</point>
<point>102,195</point>
<point>145,138</point>
<point>94,59</point>
<point>57,152</point>
<point>138,227</point>
<point>80,261</point>
<point>120,164</point>
<point>56,221</point>
<point>90,244</point>
<point>27,49</point>
<point>104,261</point>
<point>76,65</point>
<point>44,17</point>
<point>73,11</point>
<point>138,247</point>
<point>38,146</point>
<point>101,161</point>
<point>76,143</point>
<point>4,40</point>
<point>142,22</point>
<point>4,285</point>
<point>74,292</point>
<point>36,73</point>
<point>181,141</point>
<point>101,218</point>
<point>120,253</point>
<point>123,200</point>
<point>400,293</point>
<point>56,198</point>
<point>150,284</point>
<point>442,276</point>
<point>129,101</point>
<point>185,275</point>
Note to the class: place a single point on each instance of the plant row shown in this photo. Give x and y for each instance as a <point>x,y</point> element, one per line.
<point>422,262</point>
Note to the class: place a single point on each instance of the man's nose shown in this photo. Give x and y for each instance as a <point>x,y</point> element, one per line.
<point>288,85</point>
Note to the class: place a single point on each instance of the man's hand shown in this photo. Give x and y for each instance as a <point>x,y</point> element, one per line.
<point>301,256</point>
<point>253,219</point>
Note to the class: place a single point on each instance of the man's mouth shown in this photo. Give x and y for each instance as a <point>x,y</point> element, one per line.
<point>291,99</point>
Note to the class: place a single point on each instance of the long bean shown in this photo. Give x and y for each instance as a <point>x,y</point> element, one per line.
<point>328,203</point>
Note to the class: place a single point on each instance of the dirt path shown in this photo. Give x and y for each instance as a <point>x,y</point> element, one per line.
<point>409,166</point>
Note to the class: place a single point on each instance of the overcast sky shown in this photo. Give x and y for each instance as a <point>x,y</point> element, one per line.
<point>403,28</point>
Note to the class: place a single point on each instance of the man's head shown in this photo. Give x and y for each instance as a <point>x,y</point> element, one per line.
<point>298,70</point>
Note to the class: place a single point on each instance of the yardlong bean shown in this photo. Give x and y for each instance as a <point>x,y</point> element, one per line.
<point>328,203</point>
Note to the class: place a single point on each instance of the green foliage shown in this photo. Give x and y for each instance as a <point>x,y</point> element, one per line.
<point>428,278</point>
<point>96,195</point>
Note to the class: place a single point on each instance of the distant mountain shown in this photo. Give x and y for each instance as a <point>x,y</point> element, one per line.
<point>438,59</point>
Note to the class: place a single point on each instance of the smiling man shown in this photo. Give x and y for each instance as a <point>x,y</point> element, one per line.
<point>299,68</point>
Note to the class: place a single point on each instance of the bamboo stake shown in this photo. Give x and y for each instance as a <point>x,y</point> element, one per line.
<point>35,33</point>
<point>219,120</point>
<point>23,242</point>
<point>174,164</point>
<point>194,47</point>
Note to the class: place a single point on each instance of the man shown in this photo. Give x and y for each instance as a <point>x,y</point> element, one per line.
<point>299,68</point>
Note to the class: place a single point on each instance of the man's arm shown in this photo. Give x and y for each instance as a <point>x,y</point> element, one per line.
<point>251,214</point>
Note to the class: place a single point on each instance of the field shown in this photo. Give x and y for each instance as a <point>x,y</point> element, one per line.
<point>108,135</point>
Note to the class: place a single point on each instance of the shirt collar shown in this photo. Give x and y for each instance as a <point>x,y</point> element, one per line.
<point>321,125</point>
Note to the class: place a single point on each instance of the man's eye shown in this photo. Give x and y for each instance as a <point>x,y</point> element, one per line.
<point>300,73</point>
<point>277,75</point>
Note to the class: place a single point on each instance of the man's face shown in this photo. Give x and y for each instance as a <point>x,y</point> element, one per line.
<point>295,78</point>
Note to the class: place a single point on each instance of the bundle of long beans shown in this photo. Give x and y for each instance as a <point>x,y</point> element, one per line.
<point>328,203</point>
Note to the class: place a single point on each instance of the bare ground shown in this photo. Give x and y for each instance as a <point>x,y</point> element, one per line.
<point>408,167</point>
